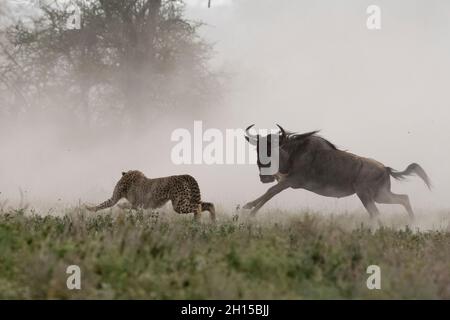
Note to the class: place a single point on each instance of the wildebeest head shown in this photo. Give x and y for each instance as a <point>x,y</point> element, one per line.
<point>267,148</point>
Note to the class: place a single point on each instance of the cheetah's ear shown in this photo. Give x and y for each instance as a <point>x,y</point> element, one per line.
<point>123,173</point>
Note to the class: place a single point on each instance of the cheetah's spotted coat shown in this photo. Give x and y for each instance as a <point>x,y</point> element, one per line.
<point>142,192</point>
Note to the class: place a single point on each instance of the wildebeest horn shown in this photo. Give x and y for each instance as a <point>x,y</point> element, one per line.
<point>251,138</point>
<point>283,133</point>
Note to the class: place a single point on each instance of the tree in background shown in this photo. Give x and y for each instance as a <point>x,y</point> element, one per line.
<point>123,59</point>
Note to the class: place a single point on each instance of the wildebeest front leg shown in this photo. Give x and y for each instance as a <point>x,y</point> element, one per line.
<point>258,203</point>
<point>252,204</point>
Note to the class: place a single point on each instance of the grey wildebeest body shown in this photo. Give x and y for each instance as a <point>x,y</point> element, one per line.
<point>308,161</point>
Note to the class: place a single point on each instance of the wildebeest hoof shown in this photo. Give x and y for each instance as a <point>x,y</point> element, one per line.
<point>89,208</point>
<point>249,205</point>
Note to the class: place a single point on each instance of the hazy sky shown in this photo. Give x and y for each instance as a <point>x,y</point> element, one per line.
<point>306,65</point>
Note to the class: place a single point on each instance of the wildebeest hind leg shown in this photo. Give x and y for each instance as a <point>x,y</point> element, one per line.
<point>388,197</point>
<point>369,204</point>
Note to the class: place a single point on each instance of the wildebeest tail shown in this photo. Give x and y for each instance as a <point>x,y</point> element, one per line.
<point>413,168</point>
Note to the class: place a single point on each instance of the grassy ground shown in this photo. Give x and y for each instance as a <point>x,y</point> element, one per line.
<point>165,256</point>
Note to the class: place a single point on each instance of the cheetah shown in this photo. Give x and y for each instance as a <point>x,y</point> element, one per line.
<point>142,192</point>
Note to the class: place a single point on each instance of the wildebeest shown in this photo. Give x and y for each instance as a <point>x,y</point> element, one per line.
<point>308,161</point>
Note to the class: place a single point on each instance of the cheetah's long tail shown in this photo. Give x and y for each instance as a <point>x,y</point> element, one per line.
<point>107,204</point>
<point>118,194</point>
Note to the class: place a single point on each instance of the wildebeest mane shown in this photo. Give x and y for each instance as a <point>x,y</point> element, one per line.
<point>298,140</point>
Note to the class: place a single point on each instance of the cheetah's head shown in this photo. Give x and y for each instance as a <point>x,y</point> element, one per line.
<point>133,172</point>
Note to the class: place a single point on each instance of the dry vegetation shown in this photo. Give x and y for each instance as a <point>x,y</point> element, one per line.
<point>279,255</point>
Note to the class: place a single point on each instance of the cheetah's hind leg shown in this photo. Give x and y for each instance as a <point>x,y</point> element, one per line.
<point>208,206</point>
<point>126,206</point>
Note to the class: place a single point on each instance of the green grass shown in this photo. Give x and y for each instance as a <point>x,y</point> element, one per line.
<point>166,256</point>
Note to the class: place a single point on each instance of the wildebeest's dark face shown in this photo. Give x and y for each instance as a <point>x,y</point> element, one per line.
<point>265,146</point>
